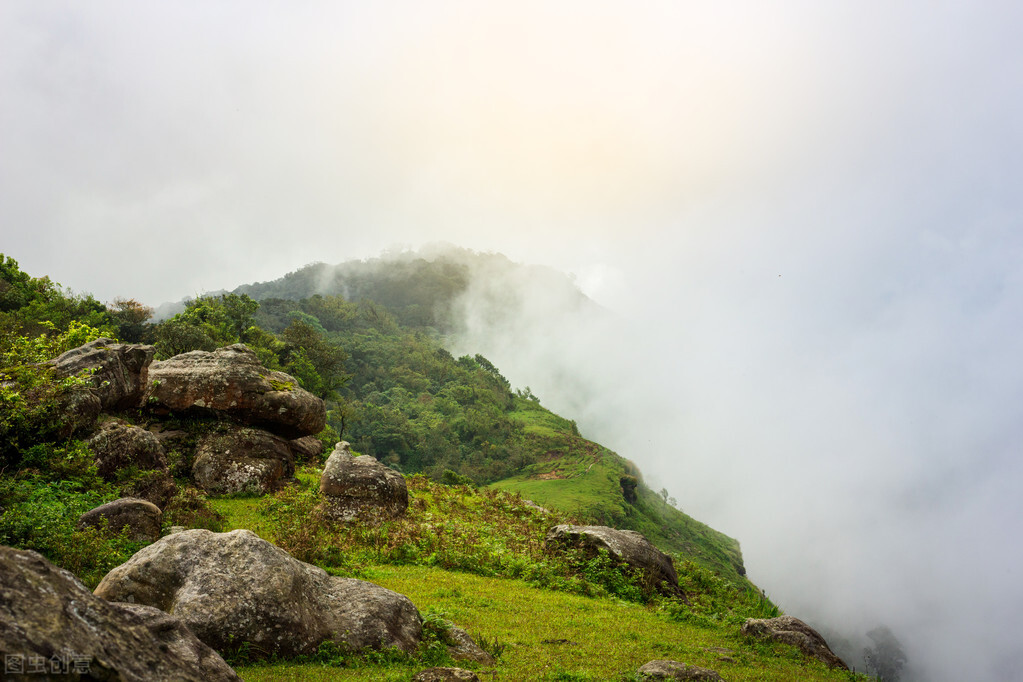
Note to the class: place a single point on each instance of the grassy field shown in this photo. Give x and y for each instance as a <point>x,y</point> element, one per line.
<point>541,634</point>
<point>557,636</point>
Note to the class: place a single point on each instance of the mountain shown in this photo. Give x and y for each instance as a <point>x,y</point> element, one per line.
<point>480,459</point>
<point>407,401</point>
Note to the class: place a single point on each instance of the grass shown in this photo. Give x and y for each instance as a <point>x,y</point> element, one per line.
<point>559,636</point>
<point>475,556</point>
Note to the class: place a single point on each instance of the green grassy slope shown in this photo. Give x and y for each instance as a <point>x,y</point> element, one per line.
<point>583,479</point>
<point>540,624</point>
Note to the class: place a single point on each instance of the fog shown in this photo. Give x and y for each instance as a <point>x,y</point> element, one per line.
<point>802,222</point>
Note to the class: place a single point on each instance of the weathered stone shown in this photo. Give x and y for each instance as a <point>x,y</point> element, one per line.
<point>627,546</point>
<point>118,445</point>
<point>307,448</point>
<point>234,587</point>
<point>46,612</point>
<point>156,486</point>
<point>534,505</point>
<point>445,675</point>
<point>361,488</point>
<point>462,647</point>
<point>142,518</point>
<point>242,459</point>
<point>231,381</point>
<point>791,630</point>
<point>120,370</point>
<point>673,670</point>
<point>77,411</point>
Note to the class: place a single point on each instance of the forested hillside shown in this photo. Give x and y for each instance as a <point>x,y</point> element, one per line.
<point>471,447</point>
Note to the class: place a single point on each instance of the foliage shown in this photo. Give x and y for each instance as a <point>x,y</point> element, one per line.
<point>130,316</point>
<point>190,508</point>
<point>41,505</point>
<point>885,659</point>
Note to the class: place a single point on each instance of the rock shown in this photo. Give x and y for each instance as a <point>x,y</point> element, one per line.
<point>47,616</point>
<point>242,459</point>
<point>120,372</point>
<point>445,675</point>
<point>231,588</point>
<point>462,647</point>
<point>156,486</point>
<point>78,410</point>
<point>628,546</point>
<point>119,445</point>
<point>142,518</point>
<point>534,505</point>
<point>791,630</point>
<point>231,381</point>
<point>673,670</point>
<point>361,488</point>
<point>307,448</point>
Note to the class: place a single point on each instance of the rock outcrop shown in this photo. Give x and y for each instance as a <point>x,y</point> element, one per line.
<point>50,621</point>
<point>673,670</point>
<point>118,445</point>
<point>234,587</point>
<point>231,381</point>
<point>361,488</point>
<point>628,546</point>
<point>141,517</point>
<point>791,630</point>
<point>242,459</point>
<point>119,370</point>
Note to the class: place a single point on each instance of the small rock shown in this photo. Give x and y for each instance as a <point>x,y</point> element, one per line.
<point>306,448</point>
<point>445,675</point>
<point>462,647</point>
<point>673,670</point>
<point>142,518</point>
<point>791,630</point>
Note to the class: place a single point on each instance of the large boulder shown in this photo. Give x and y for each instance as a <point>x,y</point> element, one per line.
<point>231,588</point>
<point>141,517</point>
<point>361,488</point>
<point>674,670</point>
<point>49,619</point>
<point>118,445</point>
<point>627,546</point>
<point>242,459</point>
<point>119,370</point>
<point>791,630</point>
<point>231,381</point>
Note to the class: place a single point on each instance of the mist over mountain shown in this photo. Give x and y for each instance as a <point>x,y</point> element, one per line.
<point>839,524</point>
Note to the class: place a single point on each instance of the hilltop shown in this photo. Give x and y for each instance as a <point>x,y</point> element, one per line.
<point>480,460</point>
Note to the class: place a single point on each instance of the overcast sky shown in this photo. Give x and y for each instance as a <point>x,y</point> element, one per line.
<point>807,214</point>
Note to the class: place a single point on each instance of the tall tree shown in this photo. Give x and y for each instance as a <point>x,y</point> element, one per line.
<point>886,658</point>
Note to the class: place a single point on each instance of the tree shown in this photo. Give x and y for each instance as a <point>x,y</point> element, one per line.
<point>130,316</point>
<point>886,658</point>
